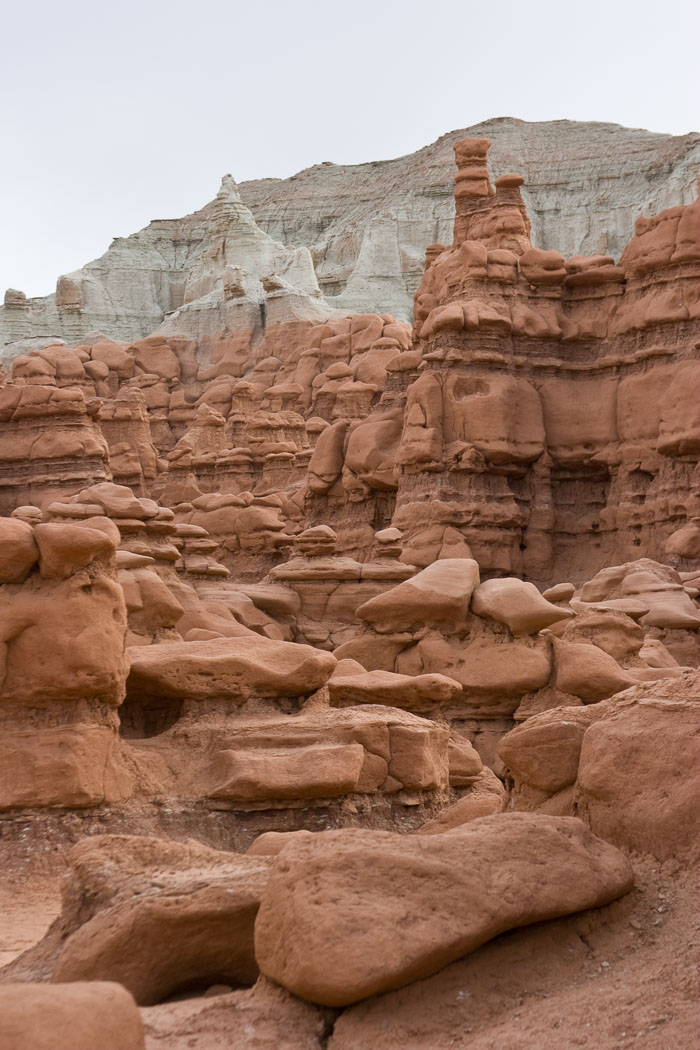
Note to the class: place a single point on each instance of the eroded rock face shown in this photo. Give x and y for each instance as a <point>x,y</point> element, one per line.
<point>276,569</point>
<point>517,346</point>
<point>366,226</point>
<point>197,925</point>
<point>63,671</point>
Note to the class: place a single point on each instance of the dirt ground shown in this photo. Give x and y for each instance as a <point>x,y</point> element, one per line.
<point>27,909</point>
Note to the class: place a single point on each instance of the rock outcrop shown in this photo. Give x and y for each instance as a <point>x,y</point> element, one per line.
<point>365,232</point>
<point>75,1016</point>
<point>62,666</point>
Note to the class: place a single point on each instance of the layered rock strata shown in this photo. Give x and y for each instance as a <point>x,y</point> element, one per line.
<point>364,228</point>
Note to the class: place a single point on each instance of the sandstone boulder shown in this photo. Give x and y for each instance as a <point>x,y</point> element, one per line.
<point>159,917</point>
<point>65,549</point>
<point>18,550</point>
<point>544,754</point>
<point>439,594</point>
<point>639,770</point>
<point>517,604</point>
<point>412,693</point>
<point>587,671</point>
<point>349,914</point>
<point>318,771</point>
<point>236,668</point>
<point>90,1015</point>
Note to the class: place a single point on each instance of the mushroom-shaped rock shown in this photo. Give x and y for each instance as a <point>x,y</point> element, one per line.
<point>118,501</point>
<point>32,515</point>
<point>235,668</point>
<point>439,594</point>
<point>587,672</point>
<point>18,551</point>
<point>348,914</point>
<point>101,524</point>
<point>540,267</point>
<point>77,1016</point>
<point>65,549</point>
<point>517,604</point>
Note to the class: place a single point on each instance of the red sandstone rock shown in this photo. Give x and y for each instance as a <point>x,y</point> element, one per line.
<point>328,921</point>
<point>76,1016</point>
<point>18,550</point>
<point>249,666</point>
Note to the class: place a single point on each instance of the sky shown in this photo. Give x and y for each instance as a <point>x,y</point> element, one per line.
<point>113,114</point>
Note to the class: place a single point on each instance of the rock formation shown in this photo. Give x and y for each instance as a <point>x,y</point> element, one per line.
<point>347,666</point>
<point>364,228</point>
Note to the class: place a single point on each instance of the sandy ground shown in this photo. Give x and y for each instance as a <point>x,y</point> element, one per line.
<point>27,909</point>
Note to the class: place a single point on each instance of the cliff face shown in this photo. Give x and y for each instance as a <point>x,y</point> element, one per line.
<point>366,227</point>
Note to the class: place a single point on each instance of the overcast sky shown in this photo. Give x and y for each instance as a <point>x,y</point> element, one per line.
<point>116,113</point>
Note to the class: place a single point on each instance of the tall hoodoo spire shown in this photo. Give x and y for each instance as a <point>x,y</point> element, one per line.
<point>496,217</point>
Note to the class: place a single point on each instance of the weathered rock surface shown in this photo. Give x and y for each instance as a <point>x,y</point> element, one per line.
<point>368,227</point>
<point>319,541</point>
<point>198,929</point>
<point>237,668</point>
<point>350,914</point>
<point>62,668</point>
<point>628,765</point>
<point>78,1016</point>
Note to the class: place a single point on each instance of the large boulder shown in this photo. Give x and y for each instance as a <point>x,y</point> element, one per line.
<point>517,604</point>
<point>349,914</point>
<point>159,917</point>
<point>236,668</point>
<point>639,771</point>
<point>439,594</point>
<point>588,672</point>
<point>95,1015</point>
<point>410,692</point>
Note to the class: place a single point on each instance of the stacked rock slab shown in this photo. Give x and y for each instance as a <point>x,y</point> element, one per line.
<point>49,442</point>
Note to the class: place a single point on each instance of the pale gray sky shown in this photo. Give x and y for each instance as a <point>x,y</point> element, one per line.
<point>115,113</point>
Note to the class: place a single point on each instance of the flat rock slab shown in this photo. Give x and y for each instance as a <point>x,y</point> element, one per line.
<point>348,914</point>
<point>233,667</point>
